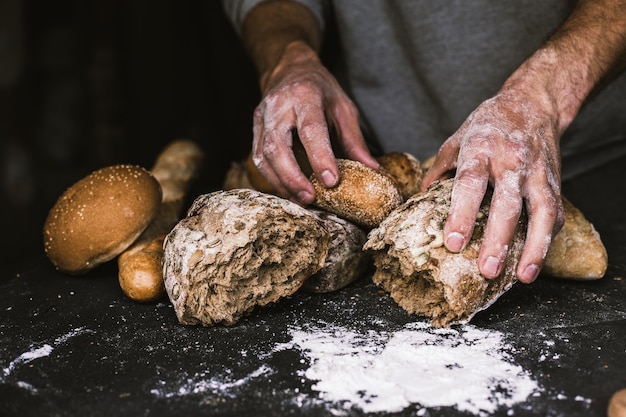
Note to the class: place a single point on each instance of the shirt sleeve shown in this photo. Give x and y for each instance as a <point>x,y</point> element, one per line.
<point>236,10</point>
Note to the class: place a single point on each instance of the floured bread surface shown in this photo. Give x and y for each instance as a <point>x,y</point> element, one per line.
<point>346,261</point>
<point>237,250</point>
<point>421,275</point>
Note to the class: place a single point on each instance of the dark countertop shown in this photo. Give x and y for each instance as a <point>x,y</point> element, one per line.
<point>77,346</point>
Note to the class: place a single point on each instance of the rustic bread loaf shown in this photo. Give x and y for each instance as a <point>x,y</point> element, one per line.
<point>421,275</point>
<point>363,195</point>
<point>346,261</point>
<point>237,250</point>
<point>576,252</point>
<point>99,216</point>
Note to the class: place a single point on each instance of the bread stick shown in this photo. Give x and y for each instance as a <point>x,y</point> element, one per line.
<point>140,266</point>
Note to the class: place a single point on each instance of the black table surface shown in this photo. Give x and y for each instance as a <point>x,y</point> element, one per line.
<point>78,346</point>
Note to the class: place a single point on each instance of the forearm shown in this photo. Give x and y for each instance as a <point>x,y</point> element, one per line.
<point>585,53</point>
<point>270,27</point>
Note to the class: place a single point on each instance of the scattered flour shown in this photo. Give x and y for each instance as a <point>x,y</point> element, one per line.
<point>202,384</point>
<point>467,368</point>
<point>43,350</point>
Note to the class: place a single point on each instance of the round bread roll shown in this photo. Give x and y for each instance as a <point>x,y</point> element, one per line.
<point>617,404</point>
<point>98,217</point>
<point>363,195</point>
<point>405,169</point>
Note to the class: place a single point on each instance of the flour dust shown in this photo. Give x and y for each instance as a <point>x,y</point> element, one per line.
<point>466,368</point>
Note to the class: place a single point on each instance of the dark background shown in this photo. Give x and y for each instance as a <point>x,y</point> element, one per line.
<point>86,84</point>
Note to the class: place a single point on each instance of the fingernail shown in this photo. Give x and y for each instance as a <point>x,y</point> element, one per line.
<point>530,273</point>
<point>328,178</point>
<point>305,197</point>
<point>491,267</point>
<point>455,242</point>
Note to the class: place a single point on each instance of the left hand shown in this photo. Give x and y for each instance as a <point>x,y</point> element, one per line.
<point>510,142</point>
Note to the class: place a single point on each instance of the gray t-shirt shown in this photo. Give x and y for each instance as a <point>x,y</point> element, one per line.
<point>416,69</point>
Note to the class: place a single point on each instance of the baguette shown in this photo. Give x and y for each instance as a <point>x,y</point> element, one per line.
<point>140,266</point>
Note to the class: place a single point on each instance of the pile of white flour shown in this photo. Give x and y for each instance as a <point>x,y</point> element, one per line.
<point>466,367</point>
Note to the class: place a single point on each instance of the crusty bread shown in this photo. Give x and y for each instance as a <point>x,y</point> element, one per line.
<point>346,262</point>
<point>617,404</point>
<point>98,217</point>
<point>363,195</point>
<point>140,271</point>
<point>576,252</point>
<point>405,169</point>
<point>421,275</point>
<point>237,250</point>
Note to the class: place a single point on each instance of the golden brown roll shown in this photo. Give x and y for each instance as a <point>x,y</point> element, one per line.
<point>363,195</point>
<point>98,217</point>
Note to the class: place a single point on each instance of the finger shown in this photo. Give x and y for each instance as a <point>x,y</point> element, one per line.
<point>545,218</point>
<point>504,212</point>
<point>313,133</point>
<point>467,195</point>
<point>443,164</point>
<point>258,129</point>
<point>345,117</point>
<point>273,156</point>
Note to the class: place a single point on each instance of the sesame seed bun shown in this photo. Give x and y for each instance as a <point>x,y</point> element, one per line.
<point>98,217</point>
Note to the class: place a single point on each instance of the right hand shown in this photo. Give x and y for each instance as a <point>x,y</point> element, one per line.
<point>301,94</point>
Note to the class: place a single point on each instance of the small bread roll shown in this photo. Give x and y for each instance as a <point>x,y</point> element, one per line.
<point>617,404</point>
<point>98,217</point>
<point>363,195</point>
<point>405,169</point>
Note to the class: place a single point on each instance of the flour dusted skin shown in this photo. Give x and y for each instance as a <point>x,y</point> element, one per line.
<point>421,275</point>
<point>237,250</point>
<point>346,261</point>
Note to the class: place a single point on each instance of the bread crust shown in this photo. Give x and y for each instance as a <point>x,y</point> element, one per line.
<point>576,252</point>
<point>140,271</point>
<point>363,195</point>
<point>98,217</point>
<point>238,250</point>
<point>421,275</point>
<point>405,169</point>
<point>346,261</point>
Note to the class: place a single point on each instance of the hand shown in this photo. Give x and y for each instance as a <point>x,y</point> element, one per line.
<point>510,142</point>
<point>301,94</point>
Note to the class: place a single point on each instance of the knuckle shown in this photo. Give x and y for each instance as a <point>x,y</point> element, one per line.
<point>304,87</point>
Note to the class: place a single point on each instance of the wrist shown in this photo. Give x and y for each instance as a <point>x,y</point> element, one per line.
<point>555,83</point>
<point>296,53</point>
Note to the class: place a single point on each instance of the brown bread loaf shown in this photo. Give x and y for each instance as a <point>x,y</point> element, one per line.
<point>238,250</point>
<point>421,275</point>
